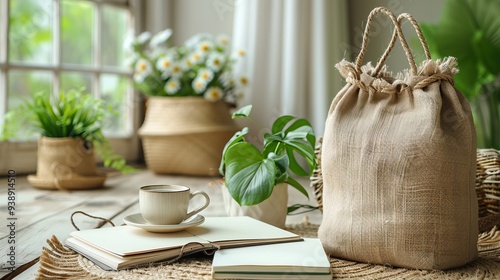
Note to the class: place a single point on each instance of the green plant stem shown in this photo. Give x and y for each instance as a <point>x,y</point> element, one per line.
<point>309,208</point>
<point>277,148</point>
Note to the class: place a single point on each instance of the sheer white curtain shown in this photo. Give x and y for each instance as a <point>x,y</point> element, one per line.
<point>292,47</point>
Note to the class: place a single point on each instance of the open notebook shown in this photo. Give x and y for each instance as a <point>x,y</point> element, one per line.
<point>125,246</point>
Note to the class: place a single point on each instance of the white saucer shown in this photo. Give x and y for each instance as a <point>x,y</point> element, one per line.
<point>136,220</point>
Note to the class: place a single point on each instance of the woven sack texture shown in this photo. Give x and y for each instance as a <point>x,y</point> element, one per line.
<point>398,163</point>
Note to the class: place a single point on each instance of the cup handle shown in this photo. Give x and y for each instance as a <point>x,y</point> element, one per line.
<point>196,211</point>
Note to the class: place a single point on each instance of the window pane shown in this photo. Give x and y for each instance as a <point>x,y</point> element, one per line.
<point>114,29</point>
<point>115,91</point>
<point>77,20</point>
<point>76,81</point>
<point>30,32</point>
<point>22,85</point>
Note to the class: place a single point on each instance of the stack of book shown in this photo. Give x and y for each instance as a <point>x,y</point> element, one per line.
<point>297,260</point>
<point>246,249</point>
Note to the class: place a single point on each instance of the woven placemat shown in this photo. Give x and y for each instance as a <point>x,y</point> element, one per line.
<point>58,262</point>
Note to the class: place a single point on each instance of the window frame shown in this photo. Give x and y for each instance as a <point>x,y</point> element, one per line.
<point>21,155</point>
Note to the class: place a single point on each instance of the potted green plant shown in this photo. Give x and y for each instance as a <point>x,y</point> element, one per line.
<point>470,31</point>
<point>256,180</point>
<point>188,90</point>
<point>70,128</point>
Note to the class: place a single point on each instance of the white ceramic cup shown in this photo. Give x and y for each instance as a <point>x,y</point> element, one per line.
<point>168,204</point>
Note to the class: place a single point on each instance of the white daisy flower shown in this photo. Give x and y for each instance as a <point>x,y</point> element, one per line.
<point>144,38</point>
<point>143,67</point>
<point>213,94</point>
<point>240,53</point>
<point>160,38</point>
<point>164,63</point>
<point>130,60</point>
<point>199,85</point>
<point>176,70</point>
<point>193,42</point>
<point>242,81</point>
<point>205,47</point>
<point>196,57</point>
<point>206,75</point>
<point>128,42</point>
<point>139,77</point>
<point>172,86</point>
<point>215,61</point>
<point>223,40</point>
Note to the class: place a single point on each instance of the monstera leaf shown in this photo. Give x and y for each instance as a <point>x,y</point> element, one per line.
<point>251,175</point>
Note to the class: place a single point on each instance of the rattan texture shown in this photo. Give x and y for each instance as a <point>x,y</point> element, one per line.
<point>58,262</point>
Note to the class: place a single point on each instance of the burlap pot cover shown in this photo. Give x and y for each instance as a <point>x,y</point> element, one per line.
<point>398,163</point>
<point>185,135</point>
<point>65,163</point>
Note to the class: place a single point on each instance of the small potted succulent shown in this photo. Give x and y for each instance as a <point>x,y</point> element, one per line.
<point>189,89</point>
<point>70,128</point>
<point>256,180</point>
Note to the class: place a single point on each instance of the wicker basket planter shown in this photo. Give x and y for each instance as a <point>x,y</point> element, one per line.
<point>65,164</point>
<point>185,135</point>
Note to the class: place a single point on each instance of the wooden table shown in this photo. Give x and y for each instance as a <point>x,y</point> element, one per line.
<point>39,214</point>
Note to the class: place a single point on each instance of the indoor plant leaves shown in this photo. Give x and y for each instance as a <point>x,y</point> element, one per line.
<point>250,175</point>
<point>470,31</point>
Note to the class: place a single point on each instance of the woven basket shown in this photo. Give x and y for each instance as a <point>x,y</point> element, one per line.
<point>487,186</point>
<point>185,135</point>
<point>65,164</point>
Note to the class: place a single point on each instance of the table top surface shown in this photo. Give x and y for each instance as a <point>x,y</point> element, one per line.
<point>39,214</point>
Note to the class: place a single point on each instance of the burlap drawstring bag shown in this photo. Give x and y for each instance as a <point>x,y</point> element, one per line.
<point>398,163</point>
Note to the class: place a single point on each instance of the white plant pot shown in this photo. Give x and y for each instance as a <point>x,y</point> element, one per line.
<point>272,210</point>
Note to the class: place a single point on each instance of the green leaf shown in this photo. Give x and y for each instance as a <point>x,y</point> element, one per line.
<point>300,125</point>
<point>281,162</point>
<point>272,144</point>
<point>237,137</point>
<point>292,182</point>
<point>297,137</point>
<point>280,123</point>
<point>250,178</point>
<point>470,31</point>
<point>242,112</point>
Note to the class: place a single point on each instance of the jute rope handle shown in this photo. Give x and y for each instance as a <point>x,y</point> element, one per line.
<point>398,31</point>
<point>420,36</point>
<point>90,216</point>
